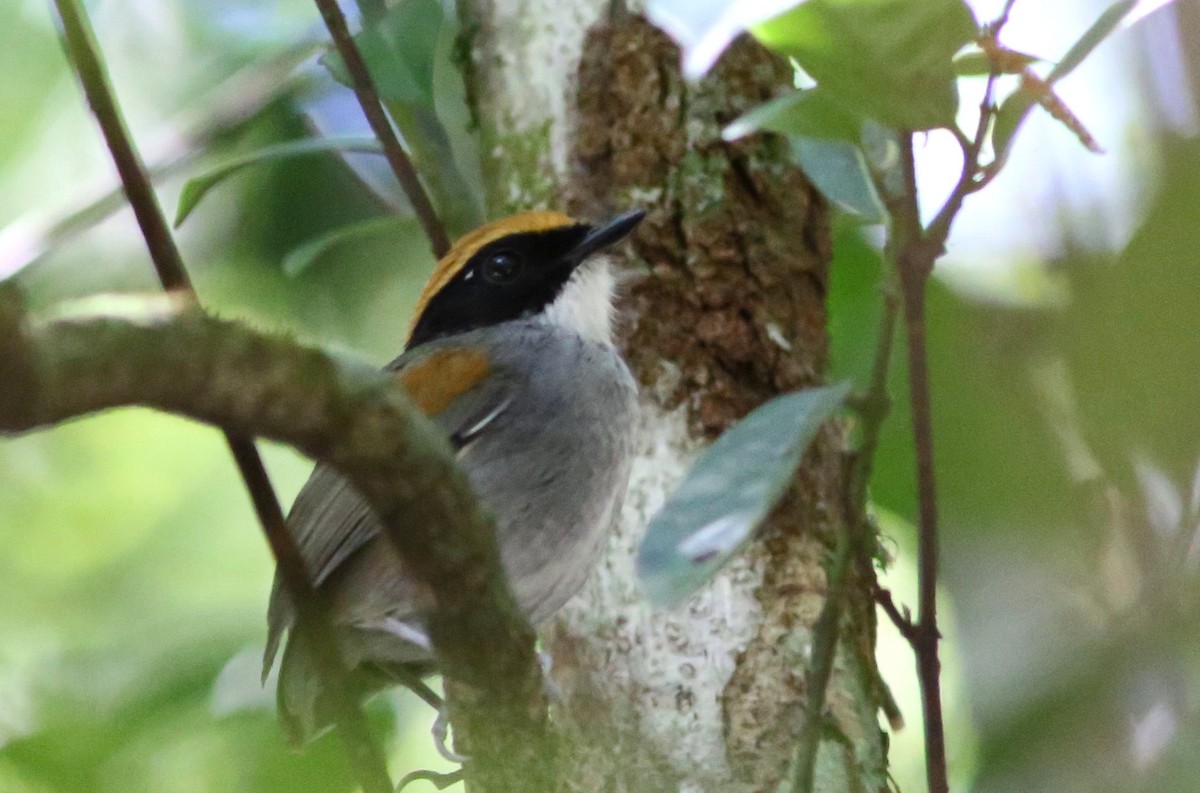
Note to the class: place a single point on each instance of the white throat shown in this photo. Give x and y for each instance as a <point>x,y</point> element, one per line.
<point>585,304</point>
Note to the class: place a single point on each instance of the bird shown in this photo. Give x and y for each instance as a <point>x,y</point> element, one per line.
<point>511,354</point>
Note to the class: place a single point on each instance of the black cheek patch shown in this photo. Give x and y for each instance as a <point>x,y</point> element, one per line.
<point>470,301</point>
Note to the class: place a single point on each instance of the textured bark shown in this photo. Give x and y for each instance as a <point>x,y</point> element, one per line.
<point>723,307</point>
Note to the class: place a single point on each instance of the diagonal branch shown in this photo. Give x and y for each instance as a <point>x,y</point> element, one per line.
<point>368,99</point>
<point>126,351</point>
<point>366,756</point>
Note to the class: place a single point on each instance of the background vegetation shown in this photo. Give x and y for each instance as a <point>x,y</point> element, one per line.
<point>132,579</point>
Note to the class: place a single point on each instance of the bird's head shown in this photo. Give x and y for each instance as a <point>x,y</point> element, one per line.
<point>535,264</point>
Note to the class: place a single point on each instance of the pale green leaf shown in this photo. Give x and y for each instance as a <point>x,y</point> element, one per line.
<point>197,187</point>
<point>1098,32</point>
<point>1009,117</point>
<point>976,63</point>
<point>304,256</point>
<point>729,492</point>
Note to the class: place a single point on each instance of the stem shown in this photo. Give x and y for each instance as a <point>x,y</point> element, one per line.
<point>972,178</point>
<point>366,757</point>
<point>825,636</point>
<point>915,255</point>
<point>873,408</point>
<point>79,42</point>
<point>368,99</point>
<point>926,637</point>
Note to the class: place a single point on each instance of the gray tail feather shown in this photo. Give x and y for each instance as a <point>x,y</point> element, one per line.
<point>304,708</point>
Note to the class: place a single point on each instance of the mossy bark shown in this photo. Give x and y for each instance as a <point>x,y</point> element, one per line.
<point>722,307</point>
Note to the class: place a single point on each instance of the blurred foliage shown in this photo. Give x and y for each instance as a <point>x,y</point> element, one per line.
<point>133,581</point>
<point>1074,580</point>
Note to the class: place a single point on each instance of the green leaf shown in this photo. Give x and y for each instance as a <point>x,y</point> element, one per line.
<point>889,59</point>
<point>976,63</point>
<point>399,51</point>
<point>1098,32</point>
<point>838,169</point>
<point>197,187</point>
<point>1009,117</point>
<point>813,113</point>
<point>729,491</point>
<point>1013,111</point>
<point>301,258</point>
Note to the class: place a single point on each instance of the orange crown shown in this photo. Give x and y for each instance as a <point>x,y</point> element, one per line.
<point>470,243</point>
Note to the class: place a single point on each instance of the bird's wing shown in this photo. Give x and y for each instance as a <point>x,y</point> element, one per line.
<point>460,391</point>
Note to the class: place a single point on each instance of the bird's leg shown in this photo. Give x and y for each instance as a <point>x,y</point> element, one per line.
<point>413,682</point>
<point>439,781</point>
<point>441,731</point>
<point>411,679</point>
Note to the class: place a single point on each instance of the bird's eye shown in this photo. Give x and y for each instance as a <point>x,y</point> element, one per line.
<point>502,267</point>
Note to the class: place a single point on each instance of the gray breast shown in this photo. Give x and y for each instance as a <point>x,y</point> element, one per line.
<point>554,472</point>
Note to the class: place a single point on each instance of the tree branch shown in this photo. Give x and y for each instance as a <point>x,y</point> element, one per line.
<point>113,351</point>
<point>368,99</point>
<point>79,41</point>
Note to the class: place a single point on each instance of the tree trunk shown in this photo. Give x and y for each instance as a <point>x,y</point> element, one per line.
<point>722,307</point>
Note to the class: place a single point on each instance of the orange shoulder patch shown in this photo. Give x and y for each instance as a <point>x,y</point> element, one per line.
<point>467,245</point>
<point>436,380</point>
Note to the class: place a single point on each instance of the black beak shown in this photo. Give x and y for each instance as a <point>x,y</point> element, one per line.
<point>608,233</point>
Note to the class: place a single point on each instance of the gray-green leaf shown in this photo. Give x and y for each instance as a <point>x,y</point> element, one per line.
<point>813,113</point>
<point>729,491</point>
<point>838,169</point>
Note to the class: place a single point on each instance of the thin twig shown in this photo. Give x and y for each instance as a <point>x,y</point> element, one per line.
<point>366,757</point>
<point>825,635</point>
<point>224,110</point>
<point>973,177</point>
<point>81,49</point>
<point>916,258</point>
<point>872,407</point>
<point>368,99</point>
<point>1002,20</point>
<point>902,621</point>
